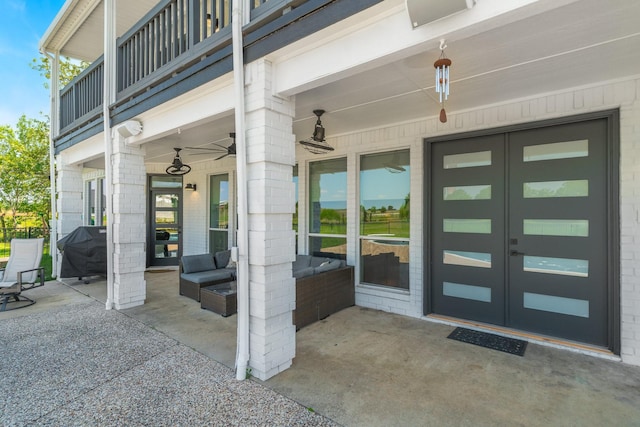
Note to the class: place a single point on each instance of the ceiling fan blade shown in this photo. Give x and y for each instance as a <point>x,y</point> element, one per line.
<point>219,150</point>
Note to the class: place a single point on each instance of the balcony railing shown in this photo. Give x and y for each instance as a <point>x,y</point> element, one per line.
<point>152,51</point>
<point>81,100</point>
<point>173,36</point>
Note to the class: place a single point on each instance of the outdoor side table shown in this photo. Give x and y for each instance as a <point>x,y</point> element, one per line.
<point>220,298</point>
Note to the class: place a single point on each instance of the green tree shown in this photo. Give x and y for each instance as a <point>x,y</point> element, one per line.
<point>24,170</point>
<point>68,69</point>
<point>405,208</point>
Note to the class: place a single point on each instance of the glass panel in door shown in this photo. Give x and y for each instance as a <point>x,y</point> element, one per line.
<point>166,226</point>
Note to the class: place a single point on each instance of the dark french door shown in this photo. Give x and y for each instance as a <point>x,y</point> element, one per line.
<point>519,230</point>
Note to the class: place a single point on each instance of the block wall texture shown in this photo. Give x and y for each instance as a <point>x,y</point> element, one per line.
<point>621,95</point>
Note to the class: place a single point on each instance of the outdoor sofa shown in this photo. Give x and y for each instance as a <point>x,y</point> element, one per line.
<point>323,285</point>
<point>199,271</point>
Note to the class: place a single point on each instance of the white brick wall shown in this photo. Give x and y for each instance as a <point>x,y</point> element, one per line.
<point>129,224</point>
<point>624,95</point>
<point>270,148</point>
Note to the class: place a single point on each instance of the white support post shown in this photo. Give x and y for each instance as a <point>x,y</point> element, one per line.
<point>271,203</point>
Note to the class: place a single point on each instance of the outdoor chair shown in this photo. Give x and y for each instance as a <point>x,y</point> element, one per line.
<point>21,273</point>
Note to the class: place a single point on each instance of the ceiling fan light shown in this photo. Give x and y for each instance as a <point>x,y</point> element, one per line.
<point>317,143</point>
<point>177,167</point>
<point>393,168</point>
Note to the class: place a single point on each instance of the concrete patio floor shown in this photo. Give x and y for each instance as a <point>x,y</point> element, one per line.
<point>362,367</point>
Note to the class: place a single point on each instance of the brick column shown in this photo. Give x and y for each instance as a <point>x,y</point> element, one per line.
<point>69,199</point>
<point>129,224</point>
<point>271,203</point>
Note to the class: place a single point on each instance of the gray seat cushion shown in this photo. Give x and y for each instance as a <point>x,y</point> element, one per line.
<point>208,276</point>
<point>302,261</point>
<point>302,272</point>
<point>317,260</point>
<point>328,265</point>
<point>196,263</point>
<point>222,258</point>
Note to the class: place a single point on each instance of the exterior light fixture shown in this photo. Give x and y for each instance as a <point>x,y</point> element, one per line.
<point>442,66</point>
<point>190,186</point>
<point>317,144</point>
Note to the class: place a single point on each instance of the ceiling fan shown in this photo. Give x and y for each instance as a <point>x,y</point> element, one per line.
<point>225,151</point>
<point>177,167</point>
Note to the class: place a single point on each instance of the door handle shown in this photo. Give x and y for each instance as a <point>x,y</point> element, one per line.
<point>515,253</point>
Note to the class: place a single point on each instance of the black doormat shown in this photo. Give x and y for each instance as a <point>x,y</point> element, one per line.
<point>483,339</point>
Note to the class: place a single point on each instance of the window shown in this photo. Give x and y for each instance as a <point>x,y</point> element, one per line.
<point>96,202</point>
<point>295,190</point>
<point>218,213</point>
<point>328,208</point>
<point>295,212</point>
<point>384,218</point>
<point>91,202</point>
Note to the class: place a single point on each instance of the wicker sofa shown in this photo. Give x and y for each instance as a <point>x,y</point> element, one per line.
<point>323,286</point>
<point>199,271</point>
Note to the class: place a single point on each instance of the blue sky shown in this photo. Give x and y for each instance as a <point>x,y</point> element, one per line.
<point>22,24</point>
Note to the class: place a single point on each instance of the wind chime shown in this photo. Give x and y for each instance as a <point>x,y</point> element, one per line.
<point>442,66</point>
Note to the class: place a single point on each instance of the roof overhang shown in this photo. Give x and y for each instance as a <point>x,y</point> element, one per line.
<point>78,29</point>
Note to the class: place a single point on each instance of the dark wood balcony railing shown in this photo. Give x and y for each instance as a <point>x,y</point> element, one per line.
<point>171,29</point>
<point>175,41</point>
<point>81,99</point>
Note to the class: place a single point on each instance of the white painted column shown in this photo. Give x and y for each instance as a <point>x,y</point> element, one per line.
<point>271,202</point>
<point>69,203</point>
<point>129,224</point>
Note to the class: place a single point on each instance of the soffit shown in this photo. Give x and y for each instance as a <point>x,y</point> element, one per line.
<point>579,44</point>
<point>77,31</point>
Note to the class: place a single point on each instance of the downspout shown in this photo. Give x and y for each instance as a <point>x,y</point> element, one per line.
<point>53,131</point>
<point>242,349</point>
<point>107,98</point>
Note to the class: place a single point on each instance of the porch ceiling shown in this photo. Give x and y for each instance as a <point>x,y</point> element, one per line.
<point>582,43</point>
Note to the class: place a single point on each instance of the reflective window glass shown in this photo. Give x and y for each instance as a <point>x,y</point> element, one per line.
<point>573,188</point>
<point>295,192</point>
<point>219,201</point>
<point>467,192</point>
<point>328,196</point>
<point>385,262</point>
<point>554,304</point>
<point>467,160</point>
<point>333,247</point>
<point>562,266</point>
<point>166,181</point>
<point>467,259</point>
<point>385,194</point>
<point>167,200</point>
<point>90,195</point>
<point>384,218</point>
<point>556,227</point>
<point>556,150</point>
<point>472,292</point>
<point>467,225</point>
